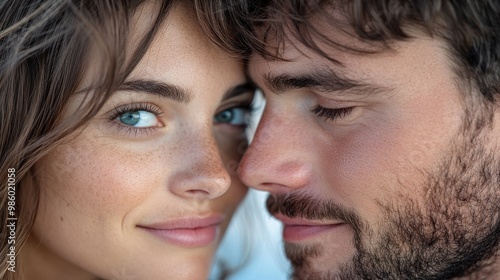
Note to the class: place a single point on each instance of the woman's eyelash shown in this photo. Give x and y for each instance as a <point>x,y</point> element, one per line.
<point>120,110</point>
<point>251,107</point>
<point>331,114</point>
<point>124,129</point>
<point>253,110</point>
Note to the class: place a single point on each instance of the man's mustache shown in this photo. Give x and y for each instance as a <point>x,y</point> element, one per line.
<point>299,205</point>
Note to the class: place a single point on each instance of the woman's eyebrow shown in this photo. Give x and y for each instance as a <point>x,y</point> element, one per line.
<point>158,88</point>
<point>239,89</point>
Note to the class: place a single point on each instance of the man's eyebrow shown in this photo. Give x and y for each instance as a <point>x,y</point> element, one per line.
<point>239,89</point>
<point>158,88</point>
<point>323,80</point>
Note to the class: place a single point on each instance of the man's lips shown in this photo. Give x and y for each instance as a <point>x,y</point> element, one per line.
<point>298,229</point>
<point>187,231</point>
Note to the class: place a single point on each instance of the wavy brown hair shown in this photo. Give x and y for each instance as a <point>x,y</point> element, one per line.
<point>470,29</point>
<point>46,48</point>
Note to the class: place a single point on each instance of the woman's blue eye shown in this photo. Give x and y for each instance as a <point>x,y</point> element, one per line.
<point>233,116</point>
<point>138,118</point>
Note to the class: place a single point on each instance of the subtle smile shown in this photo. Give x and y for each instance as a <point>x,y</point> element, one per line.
<point>187,232</point>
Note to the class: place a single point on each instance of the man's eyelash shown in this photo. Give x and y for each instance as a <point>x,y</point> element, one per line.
<point>331,114</point>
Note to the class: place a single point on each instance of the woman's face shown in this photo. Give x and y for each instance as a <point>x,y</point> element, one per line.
<point>147,189</point>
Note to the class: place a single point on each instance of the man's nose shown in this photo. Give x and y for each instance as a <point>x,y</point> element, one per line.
<point>276,159</point>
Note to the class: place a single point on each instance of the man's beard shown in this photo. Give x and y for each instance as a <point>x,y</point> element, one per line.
<point>454,233</point>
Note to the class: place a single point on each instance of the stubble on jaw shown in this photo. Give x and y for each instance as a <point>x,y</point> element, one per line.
<point>304,257</point>
<point>301,257</point>
<point>454,234</point>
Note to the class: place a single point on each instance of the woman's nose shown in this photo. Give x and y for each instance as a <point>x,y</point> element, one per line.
<point>202,173</point>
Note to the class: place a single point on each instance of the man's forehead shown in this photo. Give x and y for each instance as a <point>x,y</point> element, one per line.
<point>342,55</point>
<point>294,59</point>
<point>291,56</point>
<point>259,68</point>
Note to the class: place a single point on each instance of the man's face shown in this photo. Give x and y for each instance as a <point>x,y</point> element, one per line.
<point>378,166</point>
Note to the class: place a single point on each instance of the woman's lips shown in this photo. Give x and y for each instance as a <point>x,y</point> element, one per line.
<point>296,229</point>
<point>187,232</point>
